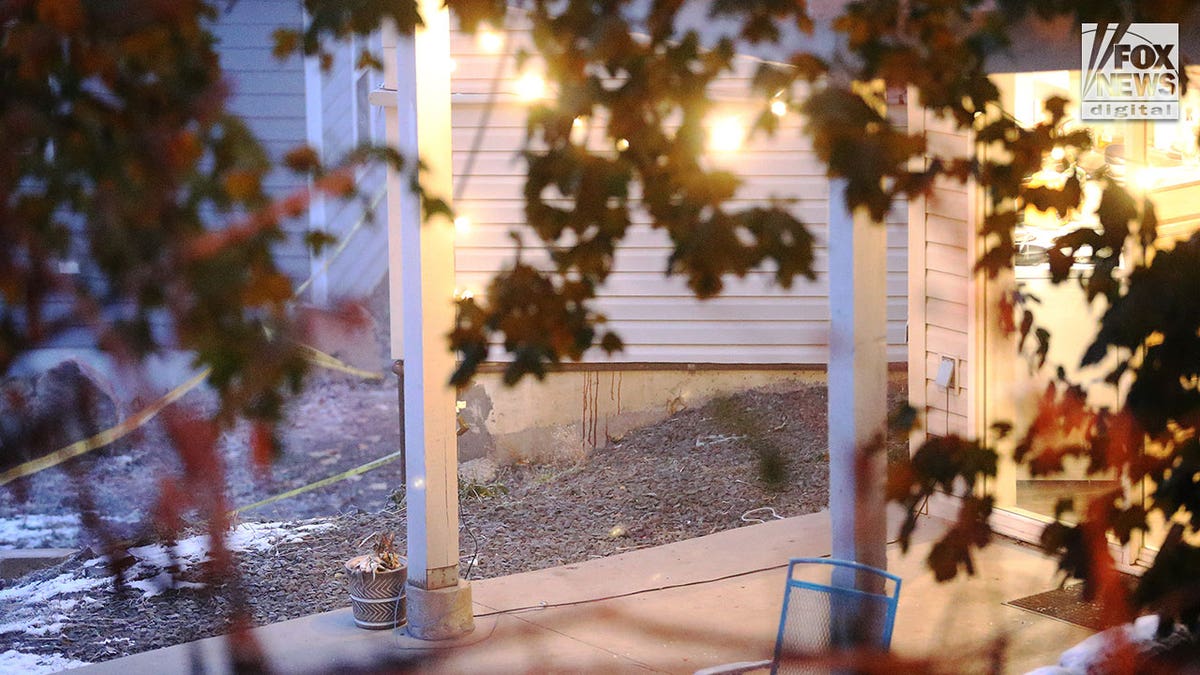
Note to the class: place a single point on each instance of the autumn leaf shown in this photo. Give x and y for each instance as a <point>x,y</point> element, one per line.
<point>338,184</point>
<point>285,42</point>
<point>263,446</point>
<point>303,159</point>
<point>267,288</point>
<point>242,185</point>
<point>66,16</point>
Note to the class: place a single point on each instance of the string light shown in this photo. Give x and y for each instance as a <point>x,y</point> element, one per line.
<point>622,145</point>
<point>779,107</point>
<point>490,41</point>
<point>530,87</point>
<point>579,130</point>
<point>726,134</point>
<point>462,224</point>
<point>1057,153</point>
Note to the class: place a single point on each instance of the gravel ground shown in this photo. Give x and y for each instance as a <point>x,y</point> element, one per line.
<point>696,473</point>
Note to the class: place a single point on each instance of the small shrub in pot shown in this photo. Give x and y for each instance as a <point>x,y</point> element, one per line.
<point>377,582</point>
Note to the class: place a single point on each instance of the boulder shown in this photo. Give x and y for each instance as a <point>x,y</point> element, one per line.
<point>42,413</point>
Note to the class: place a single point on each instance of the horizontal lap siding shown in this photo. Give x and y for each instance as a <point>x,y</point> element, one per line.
<point>359,263</point>
<point>269,95</point>
<point>945,266</point>
<point>658,318</point>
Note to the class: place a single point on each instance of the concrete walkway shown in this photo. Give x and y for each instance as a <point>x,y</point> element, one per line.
<point>673,609</point>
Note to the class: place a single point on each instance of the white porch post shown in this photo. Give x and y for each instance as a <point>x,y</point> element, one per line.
<point>857,381</point>
<point>439,603</point>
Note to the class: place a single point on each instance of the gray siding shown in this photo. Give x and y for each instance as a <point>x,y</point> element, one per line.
<point>358,263</point>
<point>269,95</point>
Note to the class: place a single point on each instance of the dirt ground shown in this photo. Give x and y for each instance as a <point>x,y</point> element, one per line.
<point>735,461</point>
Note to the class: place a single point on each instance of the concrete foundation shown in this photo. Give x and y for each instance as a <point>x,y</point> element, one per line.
<point>440,614</point>
<point>570,413</point>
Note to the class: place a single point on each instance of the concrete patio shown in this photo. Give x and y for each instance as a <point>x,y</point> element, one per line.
<point>673,609</point>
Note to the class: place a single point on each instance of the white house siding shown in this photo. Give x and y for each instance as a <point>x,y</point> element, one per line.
<point>939,275</point>
<point>269,95</point>
<point>752,323</point>
<point>359,262</point>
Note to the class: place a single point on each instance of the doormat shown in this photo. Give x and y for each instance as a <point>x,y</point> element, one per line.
<point>1066,604</point>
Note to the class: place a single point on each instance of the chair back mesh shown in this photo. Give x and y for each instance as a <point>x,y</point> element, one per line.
<point>819,592</point>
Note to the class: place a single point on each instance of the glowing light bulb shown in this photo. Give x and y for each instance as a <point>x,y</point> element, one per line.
<point>779,107</point>
<point>1057,153</point>
<point>490,41</point>
<point>462,224</point>
<point>579,130</point>
<point>726,134</point>
<point>622,145</point>
<point>530,87</point>
<point>451,65</point>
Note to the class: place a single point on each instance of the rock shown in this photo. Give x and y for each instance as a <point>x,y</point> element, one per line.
<point>43,413</point>
<point>479,471</point>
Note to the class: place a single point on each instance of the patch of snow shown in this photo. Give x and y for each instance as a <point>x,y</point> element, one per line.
<point>45,629</point>
<point>38,609</point>
<point>41,591</point>
<point>37,530</point>
<point>161,582</point>
<point>264,536</point>
<point>42,530</point>
<point>245,537</point>
<point>36,626</point>
<point>13,661</point>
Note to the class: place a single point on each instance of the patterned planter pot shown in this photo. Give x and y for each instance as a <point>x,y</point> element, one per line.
<point>377,598</point>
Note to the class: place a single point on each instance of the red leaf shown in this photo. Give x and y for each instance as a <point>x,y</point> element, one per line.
<point>262,446</point>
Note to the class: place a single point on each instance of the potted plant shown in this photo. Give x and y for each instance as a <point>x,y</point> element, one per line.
<point>377,586</point>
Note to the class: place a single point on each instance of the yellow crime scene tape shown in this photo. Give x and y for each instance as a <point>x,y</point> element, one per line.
<point>319,358</point>
<point>104,437</point>
<point>373,464</point>
<point>138,419</point>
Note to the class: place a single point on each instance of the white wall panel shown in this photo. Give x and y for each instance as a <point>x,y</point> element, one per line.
<point>753,322</point>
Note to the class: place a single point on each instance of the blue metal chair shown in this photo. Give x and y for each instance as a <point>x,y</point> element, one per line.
<point>817,591</point>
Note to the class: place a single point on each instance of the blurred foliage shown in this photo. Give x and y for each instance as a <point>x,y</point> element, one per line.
<point>117,142</point>
<point>120,154</point>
